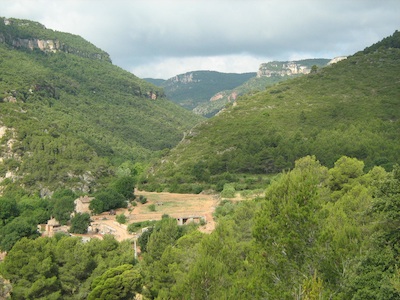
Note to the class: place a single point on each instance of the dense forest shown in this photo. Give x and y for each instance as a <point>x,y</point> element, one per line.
<point>319,233</point>
<point>322,149</point>
<point>349,108</point>
<point>70,118</point>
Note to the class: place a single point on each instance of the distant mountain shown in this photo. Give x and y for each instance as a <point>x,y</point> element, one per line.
<point>268,74</point>
<point>349,108</point>
<point>207,92</point>
<point>196,88</point>
<point>69,117</point>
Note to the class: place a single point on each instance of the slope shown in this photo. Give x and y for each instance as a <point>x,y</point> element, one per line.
<point>197,87</point>
<point>268,74</point>
<point>69,117</point>
<point>350,108</point>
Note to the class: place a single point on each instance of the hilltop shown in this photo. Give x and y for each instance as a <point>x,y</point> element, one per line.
<point>69,116</point>
<point>348,108</point>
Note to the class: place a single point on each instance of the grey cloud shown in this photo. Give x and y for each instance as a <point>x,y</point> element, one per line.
<point>136,33</point>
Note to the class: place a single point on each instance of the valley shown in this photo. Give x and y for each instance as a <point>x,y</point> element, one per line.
<point>294,185</point>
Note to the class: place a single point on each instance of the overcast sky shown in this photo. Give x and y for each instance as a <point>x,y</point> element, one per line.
<point>163,38</point>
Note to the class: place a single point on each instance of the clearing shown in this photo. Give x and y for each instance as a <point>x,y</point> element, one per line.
<point>174,205</point>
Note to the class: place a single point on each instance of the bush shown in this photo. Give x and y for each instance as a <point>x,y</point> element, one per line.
<point>142,199</point>
<point>152,207</point>
<point>228,191</point>
<point>121,218</point>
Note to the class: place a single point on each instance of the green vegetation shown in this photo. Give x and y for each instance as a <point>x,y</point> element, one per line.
<point>71,121</point>
<point>65,268</point>
<point>121,218</point>
<point>80,223</point>
<point>194,89</point>
<point>319,233</point>
<point>349,108</point>
<point>326,226</point>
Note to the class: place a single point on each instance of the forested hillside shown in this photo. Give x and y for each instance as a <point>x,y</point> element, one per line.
<point>276,73</point>
<point>327,227</point>
<point>319,233</point>
<point>69,117</point>
<point>349,108</point>
<point>194,89</point>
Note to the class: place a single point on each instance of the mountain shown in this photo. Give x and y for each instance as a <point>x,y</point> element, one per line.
<point>69,117</point>
<point>349,108</point>
<point>268,74</point>
<point>196,88</point>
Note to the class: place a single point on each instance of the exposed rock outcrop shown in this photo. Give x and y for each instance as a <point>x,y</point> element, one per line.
<point>13,38</point>
<point>336,59</point>
<point>281,69</point>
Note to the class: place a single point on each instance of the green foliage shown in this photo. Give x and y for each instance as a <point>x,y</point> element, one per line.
<point>63,205</point>
<point>106,200</point>
<point>121,282</point>
<point>133,227</point>
<point>228,191</point>
<point>80,223</point>
<point>77,118</point>
<point>121,218</point>
<point>142,199</point>
<point>152,207</point>
<point>125,186</point>
<point>350,108</point>
<point>8,209</point>
<point>66,268</point>
<point>319,233</point>
<point>192,89</point>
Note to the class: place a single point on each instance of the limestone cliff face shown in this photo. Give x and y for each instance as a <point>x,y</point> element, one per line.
<point>12,38</point>
<point>281,69</point>
<point>337,59</point>
<point>184,78</point>
<point>290,68</point>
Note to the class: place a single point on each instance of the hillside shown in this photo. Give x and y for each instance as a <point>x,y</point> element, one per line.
<point>268,74</point>
<point>196,88</point>
<point>349,108</point>
<point>69,116</point>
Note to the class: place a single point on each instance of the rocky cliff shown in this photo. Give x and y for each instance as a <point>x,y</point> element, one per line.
<point>288,68</point>
<point>35,36</point>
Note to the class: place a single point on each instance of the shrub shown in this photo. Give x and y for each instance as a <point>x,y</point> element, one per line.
<point>121,218</point>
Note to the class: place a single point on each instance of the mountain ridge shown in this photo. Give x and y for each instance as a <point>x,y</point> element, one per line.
<point>349,108</point>
<point>71,120</point>
<point>206,98</point>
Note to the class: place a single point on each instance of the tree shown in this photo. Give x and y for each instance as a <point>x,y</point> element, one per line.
<point>125,186</point>
<point>80,223</point>
<point>8,209</point>
<point>62,209</point>
<point>314,69</point>
<point>166,232</point>
<point>106,200</point>
<point>15,230</point>
<point>121,282</point>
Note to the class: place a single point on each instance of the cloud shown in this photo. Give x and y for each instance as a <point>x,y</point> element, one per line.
<point>169,67</point>
<point>147,36</point>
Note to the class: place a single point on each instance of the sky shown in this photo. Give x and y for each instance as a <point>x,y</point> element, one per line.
<point>164,38</point>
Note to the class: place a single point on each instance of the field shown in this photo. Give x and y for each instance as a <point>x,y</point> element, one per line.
<point>174,205</point>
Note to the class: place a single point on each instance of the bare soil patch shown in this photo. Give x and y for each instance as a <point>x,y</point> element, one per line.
<point>174,205</point>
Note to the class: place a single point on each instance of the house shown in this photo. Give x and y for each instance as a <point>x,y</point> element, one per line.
<point>82,204</point>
